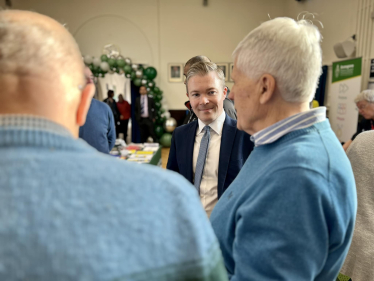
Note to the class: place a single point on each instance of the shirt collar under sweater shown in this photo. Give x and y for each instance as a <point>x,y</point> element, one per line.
<point>295,122</point>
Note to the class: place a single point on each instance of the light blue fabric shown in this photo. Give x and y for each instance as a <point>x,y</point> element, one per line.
<point>295,122</point>
<point>290,212</point>
<point>68,212</point>
<point>99,130</point>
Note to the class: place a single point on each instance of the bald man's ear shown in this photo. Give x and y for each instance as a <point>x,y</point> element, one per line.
<point>267,88</point>
<point>85,102</point>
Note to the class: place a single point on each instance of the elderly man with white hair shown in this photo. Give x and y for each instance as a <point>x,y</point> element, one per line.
<point>66,212</point>
<point>290,213</point>
<point>365,105</point>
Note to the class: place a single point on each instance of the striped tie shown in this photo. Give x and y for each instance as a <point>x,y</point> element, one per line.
<point>142,106</point>
<point>201,158</point>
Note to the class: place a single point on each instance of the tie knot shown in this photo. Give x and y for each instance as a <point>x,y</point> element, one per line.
<point>207,128</point>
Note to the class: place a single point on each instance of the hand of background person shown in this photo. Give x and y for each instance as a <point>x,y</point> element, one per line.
<point>347,144</point>
<point>121,117</point>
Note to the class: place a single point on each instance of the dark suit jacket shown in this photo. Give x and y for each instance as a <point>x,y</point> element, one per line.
<point>151,108</point>
<point>235,149</point>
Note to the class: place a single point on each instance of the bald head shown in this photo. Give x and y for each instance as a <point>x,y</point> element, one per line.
<point>41,68</point>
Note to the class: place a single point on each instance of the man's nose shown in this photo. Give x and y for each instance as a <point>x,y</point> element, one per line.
<point>204,100</point>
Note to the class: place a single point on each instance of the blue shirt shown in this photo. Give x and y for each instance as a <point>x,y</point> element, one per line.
<point>99,130</point>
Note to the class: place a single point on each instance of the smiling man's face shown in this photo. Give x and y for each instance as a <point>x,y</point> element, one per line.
<point>206,94</point>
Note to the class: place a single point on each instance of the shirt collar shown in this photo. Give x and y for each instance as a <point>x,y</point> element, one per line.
<point>295,122</point>
<point>31,122</point>
<point>216,125</point>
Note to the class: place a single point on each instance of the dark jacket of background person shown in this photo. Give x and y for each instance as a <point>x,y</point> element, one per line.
<point>364,125</point>
<point>99,130</point>
<point>113,107</point>
<point>235,149</point>
<point>228,107</point>
<point>151,109</point>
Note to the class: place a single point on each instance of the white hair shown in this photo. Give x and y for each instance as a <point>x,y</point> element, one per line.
<point>288,50</point>
<point>367,95</point>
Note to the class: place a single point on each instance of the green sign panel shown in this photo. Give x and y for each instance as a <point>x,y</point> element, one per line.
<point>347,69</point>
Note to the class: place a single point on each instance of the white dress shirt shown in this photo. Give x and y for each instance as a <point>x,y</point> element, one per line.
<point>144,98</point>
<point>209,180</point>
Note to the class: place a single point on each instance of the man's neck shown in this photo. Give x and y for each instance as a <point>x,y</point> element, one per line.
<point>277,113</point>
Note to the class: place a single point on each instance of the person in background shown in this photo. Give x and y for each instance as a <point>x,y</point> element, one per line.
<point>124,109</point>
<point>145,111</point>
<point>228,105</point>
<point>66,212</point>
<point>113,106</point>
<point>290,212</point>
<point>365,105</point>
<point>99,129</point>
<point>210,151</point>
<point>357,264</point>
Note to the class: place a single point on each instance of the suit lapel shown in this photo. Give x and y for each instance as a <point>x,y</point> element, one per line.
<point>227,141</point>
<point>188,152</point>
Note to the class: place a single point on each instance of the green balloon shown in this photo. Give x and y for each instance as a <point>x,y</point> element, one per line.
<point>91,67</point>
<point>104,58</point>
<point>132,75</point>
<point>112,62</point>
<point>120,63</point>
<point>165,140</point>
<point>140,67</point>
<point>151,84</point>
<point>157,105</point>
<point>162,110</point>
<point>159,130</point>
<point>151,73</point>
<point>127,68</point>
<point>160,121</point>
<point>137,82</point>
<point>157,98</point>
<point>156,90</point>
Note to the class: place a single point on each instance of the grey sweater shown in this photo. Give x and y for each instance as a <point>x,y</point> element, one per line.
<point>360,259</point>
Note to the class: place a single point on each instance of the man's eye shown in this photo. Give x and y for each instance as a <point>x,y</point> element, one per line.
<point>212,92</point>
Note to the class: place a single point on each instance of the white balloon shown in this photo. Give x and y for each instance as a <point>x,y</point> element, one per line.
<point>96,62</point>
<point>104,66</point>
<point>87,59</point>
<point>167,114</point>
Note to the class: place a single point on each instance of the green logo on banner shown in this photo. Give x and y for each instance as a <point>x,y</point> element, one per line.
<point>347,69</point>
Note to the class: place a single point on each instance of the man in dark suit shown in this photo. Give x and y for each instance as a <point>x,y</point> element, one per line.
<point>145,115</point>
<point>210,151</point>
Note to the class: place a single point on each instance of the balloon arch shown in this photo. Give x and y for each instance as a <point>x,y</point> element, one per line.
<point>140,76</point>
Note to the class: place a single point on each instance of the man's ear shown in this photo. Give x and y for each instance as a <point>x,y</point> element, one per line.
<point>267,88</point>
<point>85,102</point>
<point>225,91</point>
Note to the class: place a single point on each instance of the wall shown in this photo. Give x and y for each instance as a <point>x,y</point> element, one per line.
<point>339,18</point>
<point>159,32</point>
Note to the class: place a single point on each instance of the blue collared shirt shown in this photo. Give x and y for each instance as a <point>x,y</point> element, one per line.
<point>295,122</point>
